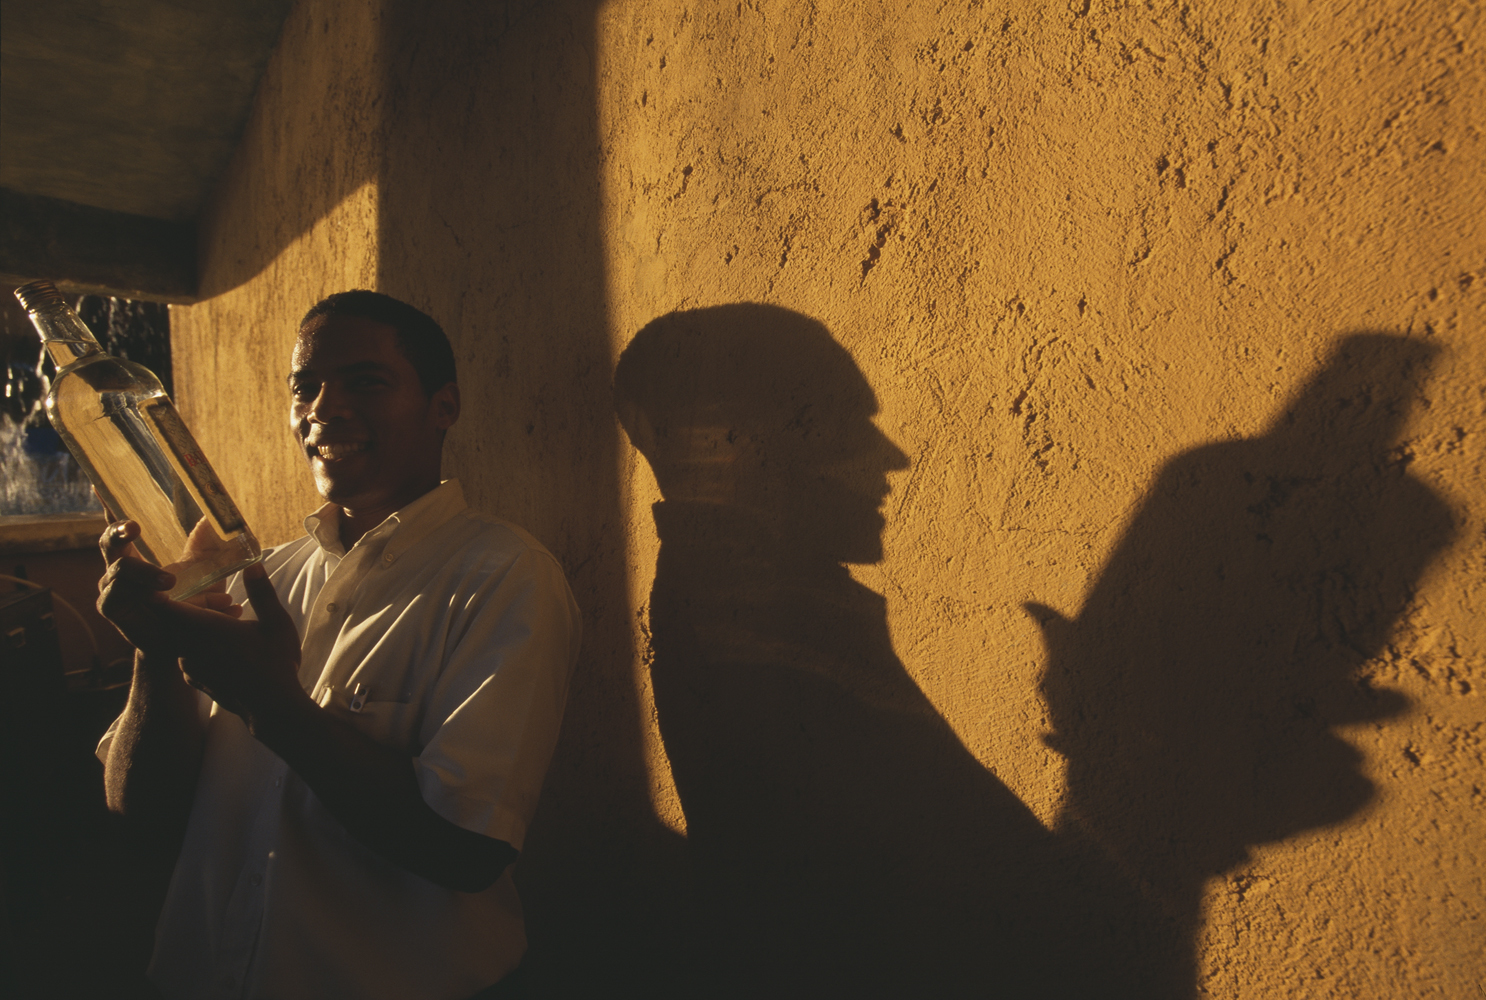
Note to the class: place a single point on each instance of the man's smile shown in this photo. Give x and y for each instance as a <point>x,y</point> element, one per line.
<point>335,451</point>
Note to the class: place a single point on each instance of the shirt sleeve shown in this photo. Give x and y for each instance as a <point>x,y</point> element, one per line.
<point>491,723</point>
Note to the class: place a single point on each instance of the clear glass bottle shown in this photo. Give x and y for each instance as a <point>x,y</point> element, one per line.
<point>118,423</point>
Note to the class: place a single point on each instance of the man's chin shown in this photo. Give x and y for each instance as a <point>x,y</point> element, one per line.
<point>859,540</point>
<point>336,490</point>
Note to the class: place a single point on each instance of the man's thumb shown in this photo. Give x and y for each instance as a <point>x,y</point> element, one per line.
<point>265,601</point>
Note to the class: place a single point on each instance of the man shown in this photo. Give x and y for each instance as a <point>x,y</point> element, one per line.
<point>351,804</point>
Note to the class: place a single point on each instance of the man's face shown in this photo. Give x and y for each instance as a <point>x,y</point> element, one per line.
<point>371,435</point>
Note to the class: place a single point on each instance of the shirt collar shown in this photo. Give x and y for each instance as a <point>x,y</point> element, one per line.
<point>400,531</point>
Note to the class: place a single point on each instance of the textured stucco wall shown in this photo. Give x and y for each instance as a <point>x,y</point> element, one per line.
<point>1067,244</point>
<point>1171,318</point>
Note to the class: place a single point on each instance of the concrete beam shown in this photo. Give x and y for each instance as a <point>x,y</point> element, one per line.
<point>131,105</point>
<point>88,250</point>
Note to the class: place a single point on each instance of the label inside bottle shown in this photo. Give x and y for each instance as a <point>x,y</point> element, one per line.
<point>172,431</point>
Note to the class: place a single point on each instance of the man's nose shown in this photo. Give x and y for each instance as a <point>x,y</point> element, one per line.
<point>331,402</point>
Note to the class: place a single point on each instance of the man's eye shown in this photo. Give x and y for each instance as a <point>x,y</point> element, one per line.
<point>302,390</point>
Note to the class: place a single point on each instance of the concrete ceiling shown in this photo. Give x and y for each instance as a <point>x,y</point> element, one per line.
<point>116,119</point>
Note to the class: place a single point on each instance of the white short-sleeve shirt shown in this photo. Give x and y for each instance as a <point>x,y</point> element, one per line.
<point>442,632</point>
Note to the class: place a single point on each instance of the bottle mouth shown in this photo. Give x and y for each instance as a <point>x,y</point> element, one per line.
<point>35,294</point>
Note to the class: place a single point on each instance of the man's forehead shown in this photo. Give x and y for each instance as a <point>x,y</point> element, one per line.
<point>338,341</point>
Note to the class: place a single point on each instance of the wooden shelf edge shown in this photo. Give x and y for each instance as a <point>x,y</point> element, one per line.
<point>22,533</point>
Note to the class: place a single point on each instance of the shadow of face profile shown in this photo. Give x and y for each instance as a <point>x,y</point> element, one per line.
<point>842,840</point>
<point>1197,693</point>
<point>757,409</point>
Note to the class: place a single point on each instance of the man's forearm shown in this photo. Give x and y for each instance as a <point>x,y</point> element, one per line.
<point>373,791</point>
<point>150,770</point>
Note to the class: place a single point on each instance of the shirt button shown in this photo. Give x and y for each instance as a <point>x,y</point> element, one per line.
<point>387,558</point>
<point>331,608</point>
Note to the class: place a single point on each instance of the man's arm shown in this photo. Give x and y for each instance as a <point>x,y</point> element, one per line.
<point>251,668</point>
<point>154,756</point>
<point>373,791</point>
<point>149,772</point>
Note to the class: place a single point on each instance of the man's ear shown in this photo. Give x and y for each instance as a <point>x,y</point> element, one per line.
<point>445,406</point>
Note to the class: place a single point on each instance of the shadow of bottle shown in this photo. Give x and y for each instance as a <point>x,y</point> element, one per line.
<point>843,842</point>
<point>1196,694</point>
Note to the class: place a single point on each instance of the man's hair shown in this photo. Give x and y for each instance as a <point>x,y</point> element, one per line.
<point>421,340</point>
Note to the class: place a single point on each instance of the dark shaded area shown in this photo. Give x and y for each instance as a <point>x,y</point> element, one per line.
<point>1197,693</point>
<point>843,841</point>
<point>76,893</point>
<point>489,217</point>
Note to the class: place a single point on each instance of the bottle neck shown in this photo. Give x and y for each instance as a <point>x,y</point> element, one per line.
<point>64,335</point>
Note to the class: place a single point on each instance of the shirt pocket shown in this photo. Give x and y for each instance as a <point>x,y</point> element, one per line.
<point>392,723</point>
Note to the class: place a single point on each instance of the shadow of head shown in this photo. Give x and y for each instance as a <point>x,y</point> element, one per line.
<point>1196,694</point>
<point>756,409</point>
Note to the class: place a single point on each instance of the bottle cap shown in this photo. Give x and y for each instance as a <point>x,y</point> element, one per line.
<point>36,294</point>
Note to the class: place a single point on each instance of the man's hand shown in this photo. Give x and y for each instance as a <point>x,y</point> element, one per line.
<point>248,667</point>
<point>131,595</point>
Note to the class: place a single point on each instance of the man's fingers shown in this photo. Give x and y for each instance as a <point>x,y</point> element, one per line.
<point>130,591</point>
<point>111,543</point>
<point>130,574</point>
<point>214,600</point>
<point>117,540</point>
<point>130,595</point>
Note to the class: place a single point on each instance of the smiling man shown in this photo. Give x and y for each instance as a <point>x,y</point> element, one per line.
<point>349,767</point>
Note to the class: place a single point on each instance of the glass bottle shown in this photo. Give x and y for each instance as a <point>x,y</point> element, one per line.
<point>118,423</point>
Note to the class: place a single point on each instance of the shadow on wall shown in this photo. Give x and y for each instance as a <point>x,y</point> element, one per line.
<point>843,842</point>
<point>1196,693</point>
